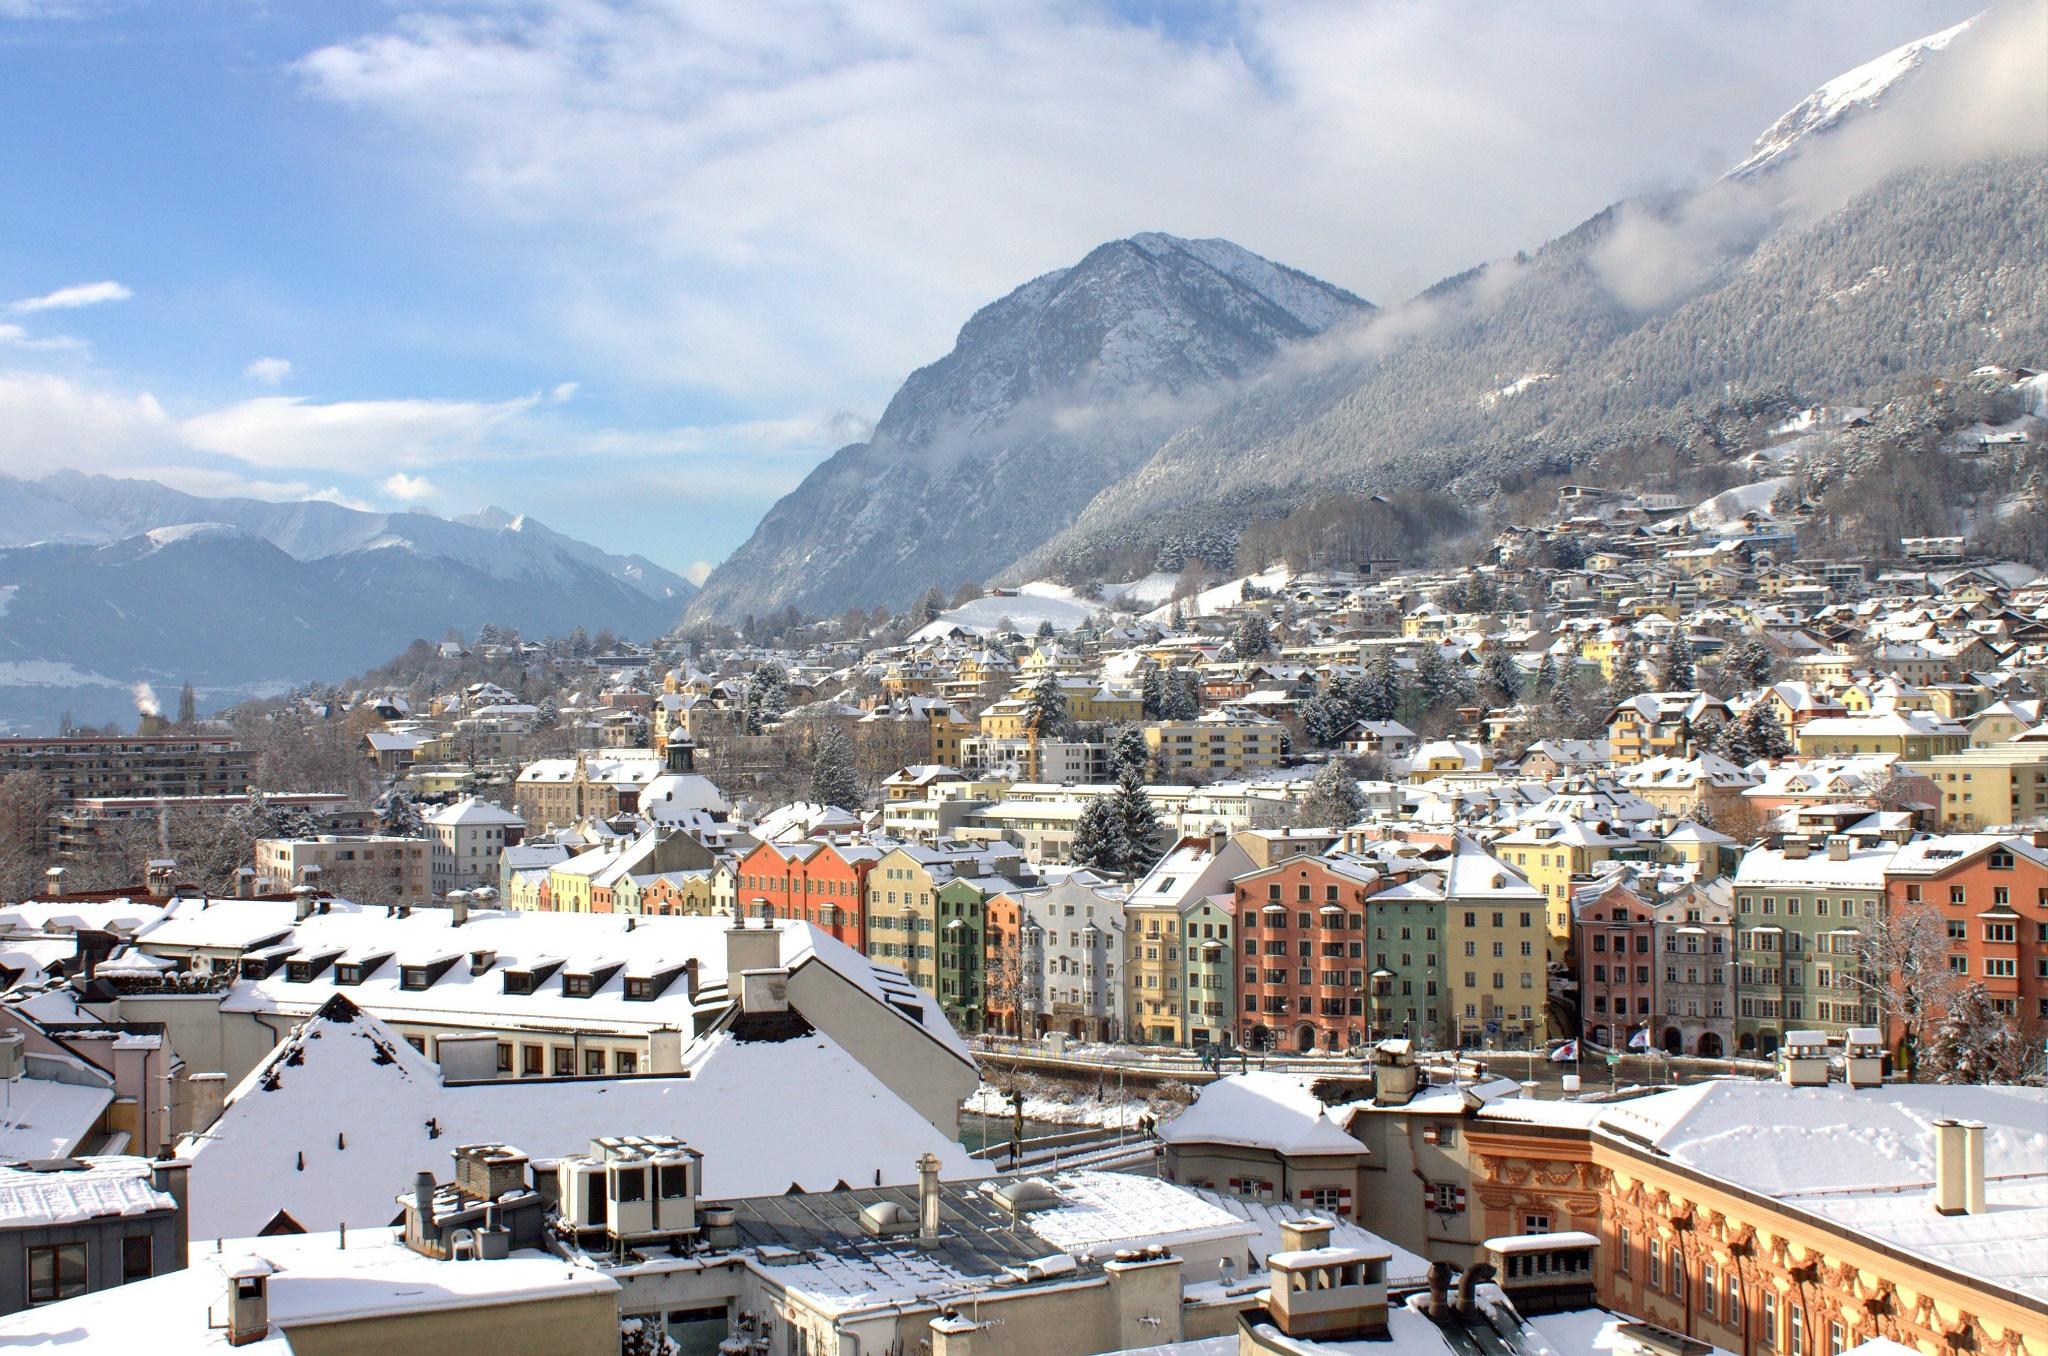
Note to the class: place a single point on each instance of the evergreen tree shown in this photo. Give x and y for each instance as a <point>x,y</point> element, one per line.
<point>1152,693</point>
<point>1442,684</point>
<point>1128,752</point>
<point>1379,694</point>
<point>1627,679</point>
<point>1752,663</point>
<point>1333,801</point>
<point>1099,838</point>
<point>767,695</point>
<point>1546,677</point>
<point>931,605</point>
<point>1045,712</point>
<point>1753,735</point>
<point>397,813</point>
<point>833,780</point>
<point>1137,823</point>
<point>188,705</point>
<point>1677,674</point>
<point>1254,638</point>
<point>1179,701</point>
<point>1177,619</point>
<point>1976,1043</point>
<point>1324,721</point>
<point>1502,682</point>
<point>1045,628</point>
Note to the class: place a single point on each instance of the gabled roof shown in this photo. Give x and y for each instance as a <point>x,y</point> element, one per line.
<point>343,1114</point>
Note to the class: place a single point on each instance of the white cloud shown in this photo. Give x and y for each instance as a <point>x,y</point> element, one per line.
<point>798,202</point>
<point>73,297</point>
<point>269,371</point>
<point>280,431</point>
<point>49,422</point>
<point>408,489</point>
<point>14,336</point>
<point>698,571</point>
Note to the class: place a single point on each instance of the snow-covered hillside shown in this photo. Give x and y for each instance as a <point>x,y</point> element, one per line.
<point>1024,608</point>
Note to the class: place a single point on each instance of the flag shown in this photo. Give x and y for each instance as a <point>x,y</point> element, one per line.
<point>1568,1053</point>
<point>1641,1040</point>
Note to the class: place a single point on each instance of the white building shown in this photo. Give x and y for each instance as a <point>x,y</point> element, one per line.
<point>468,840</point>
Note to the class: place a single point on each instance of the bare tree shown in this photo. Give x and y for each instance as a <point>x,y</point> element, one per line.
<point>1901,967</point>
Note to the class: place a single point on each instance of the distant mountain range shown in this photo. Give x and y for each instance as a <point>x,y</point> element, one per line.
<point>1161,392</point>
<point>108,583</point>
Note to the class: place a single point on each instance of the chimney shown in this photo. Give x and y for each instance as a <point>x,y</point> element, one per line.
<point>423,1194</point>
<point>750,948</point>
<point>764,991</point>
<point>1305,1235</point>
<point>1838,848</point>
<point>160,876</point>
<point>248,1280</point>
<point>1958,1167</point>
<point>1796,847</point>
<point>302,903</point>
<point>1219,838</point>
<point>665,1050</point>
<point>1472,1277</point>
<point>458,908</point>
<point>245,882</point>
<point>2039,838</point>
<point>928,1200</point>
<point>53,883</point>
<point>169,1175</point>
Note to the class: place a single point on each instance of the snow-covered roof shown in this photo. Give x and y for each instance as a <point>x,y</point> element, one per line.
<point>330,1126</point>
<point>311,1279</point>
<point>1277,1111</point>
<point>1864,1159</point>
<point>78,1190</point>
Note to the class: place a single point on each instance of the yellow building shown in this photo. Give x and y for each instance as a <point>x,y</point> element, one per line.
<point>1662,725</point>
<point>1152,972</point>
<point>1496,934</point>
<point>1911,735</point>
<point>1549,853</point>
<point>1214,746</point>
<point>1991,787</point>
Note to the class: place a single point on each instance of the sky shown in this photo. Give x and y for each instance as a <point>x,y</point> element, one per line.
<point>634,268</point>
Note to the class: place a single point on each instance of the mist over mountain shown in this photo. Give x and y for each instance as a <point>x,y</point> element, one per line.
<point>1886,224</point>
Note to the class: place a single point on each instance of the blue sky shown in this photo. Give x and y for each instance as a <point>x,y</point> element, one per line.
<point>634,267</point>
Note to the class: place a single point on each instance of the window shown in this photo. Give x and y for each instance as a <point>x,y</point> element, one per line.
<point>530,1057</point>
<point>1535,1224</point>
<point>135,1258</point>
<point>1767,1324</point>
<point>56,1272</point>
<point>1708,1279</point>
<point>504,1058</point>
<point>1656,1269</point>
<point>626,1062</point>
<point>593,1063</point>
<point>1623,1252</point>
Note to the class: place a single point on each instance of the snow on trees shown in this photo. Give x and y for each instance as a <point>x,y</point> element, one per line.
<point>1677,672</point>
<point>1502,680</point>
<point>1254,638</point>
<point>833,779</point>
<point>1333,801</point>
<point>1045,709</point>
<point>1976,1043</point>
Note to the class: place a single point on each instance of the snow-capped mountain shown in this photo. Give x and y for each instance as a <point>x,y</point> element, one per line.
<point>1845,96</point>
<point>71,507</point>
<point>1050,393</point>
<point>105,583</point>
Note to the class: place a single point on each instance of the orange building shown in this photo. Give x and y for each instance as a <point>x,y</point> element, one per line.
<point>817,882</point>
<point>1736,1212</point>
<point>1992,890</point>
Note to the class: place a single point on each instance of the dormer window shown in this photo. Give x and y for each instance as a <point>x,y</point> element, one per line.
<point>576,986</point>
